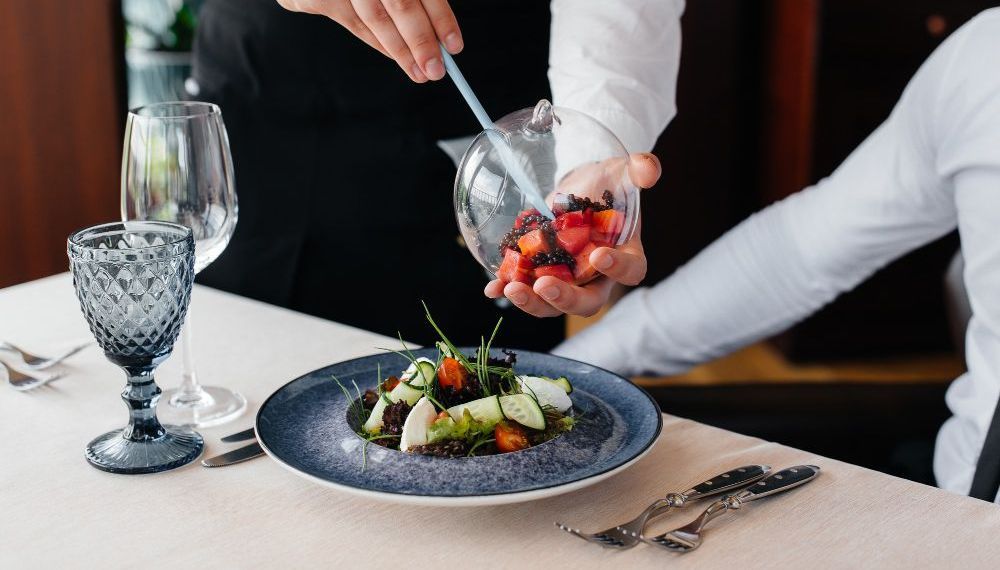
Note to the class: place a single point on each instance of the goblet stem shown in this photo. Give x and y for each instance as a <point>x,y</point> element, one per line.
<point>140,396</point>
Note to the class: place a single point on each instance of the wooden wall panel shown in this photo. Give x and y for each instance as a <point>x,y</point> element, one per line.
<point>61,118</point>
<point>790,45</point>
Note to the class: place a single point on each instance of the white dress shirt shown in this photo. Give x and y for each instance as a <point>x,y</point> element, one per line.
<point>617,61</point>
<point>933,165</point>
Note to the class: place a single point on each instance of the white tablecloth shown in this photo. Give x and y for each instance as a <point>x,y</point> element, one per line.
<point>57,511</point>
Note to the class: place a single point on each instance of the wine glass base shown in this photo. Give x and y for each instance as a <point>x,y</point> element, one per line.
<point>217,406</point>
<point>113,453</point>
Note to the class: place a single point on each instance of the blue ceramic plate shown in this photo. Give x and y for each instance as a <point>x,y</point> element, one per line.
<point>303,426</point>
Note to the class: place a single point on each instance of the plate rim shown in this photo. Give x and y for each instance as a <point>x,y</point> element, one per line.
<point>468,500</point>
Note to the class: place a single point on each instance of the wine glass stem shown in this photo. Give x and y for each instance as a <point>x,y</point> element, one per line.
<point>190,391</point>
<point>140,396</point>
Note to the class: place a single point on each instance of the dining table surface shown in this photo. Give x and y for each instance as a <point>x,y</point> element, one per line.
<point>56,511</point>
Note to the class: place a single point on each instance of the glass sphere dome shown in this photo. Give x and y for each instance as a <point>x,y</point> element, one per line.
<point>536,194</point>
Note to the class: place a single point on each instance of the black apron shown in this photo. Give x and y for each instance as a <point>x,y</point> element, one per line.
<point>345,200</point>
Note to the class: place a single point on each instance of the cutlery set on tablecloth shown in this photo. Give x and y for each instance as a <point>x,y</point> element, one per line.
<point>34,368</point>
<point>738,487</point>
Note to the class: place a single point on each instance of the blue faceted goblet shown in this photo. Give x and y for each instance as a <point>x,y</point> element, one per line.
<point>133,280</point>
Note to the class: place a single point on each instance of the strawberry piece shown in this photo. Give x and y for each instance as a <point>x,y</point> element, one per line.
<point>532,243</point>
<point>584,271</point>
<point>607,226</point>
<point>515,267</point>
<point>576,219</point>
<point>560,271</point>
<point>573,240</point>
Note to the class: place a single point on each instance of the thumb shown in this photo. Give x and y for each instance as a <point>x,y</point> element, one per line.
<point>644,169</point>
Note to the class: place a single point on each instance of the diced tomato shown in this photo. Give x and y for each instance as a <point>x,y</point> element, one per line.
<point>560,271</point>
<point>584,271</point>
<point>515,267</point>
<point>575,219</point>
<point>390,383</point>
<point>532,243</point>
<point>573,240</point>
<point>510,437</point>
<point>607,226</point>
<point>452,373</point>
<point>519,221</point>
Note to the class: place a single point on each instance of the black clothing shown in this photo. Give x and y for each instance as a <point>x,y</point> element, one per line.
<point>345,202</point>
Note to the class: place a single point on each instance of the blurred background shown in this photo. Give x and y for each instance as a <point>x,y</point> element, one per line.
<point>772,95</point>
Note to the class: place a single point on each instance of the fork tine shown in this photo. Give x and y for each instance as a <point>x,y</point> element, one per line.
<point>22,382</point>
<point>575,532</point>
<point>671,543</point>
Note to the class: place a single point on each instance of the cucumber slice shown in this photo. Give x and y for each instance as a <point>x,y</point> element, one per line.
<point>524,410</point>
<point>486,410</point>
<point>374,421</point>
<point>406,393</point>
<point>562,382</point>
<point>423,374</point>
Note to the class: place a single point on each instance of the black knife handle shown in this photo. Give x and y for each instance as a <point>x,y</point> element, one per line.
<point>728,481</point>
<point>781,481</point>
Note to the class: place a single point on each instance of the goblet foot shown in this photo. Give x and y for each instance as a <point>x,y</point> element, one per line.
<point>213,406</point>
<point>114,453</point>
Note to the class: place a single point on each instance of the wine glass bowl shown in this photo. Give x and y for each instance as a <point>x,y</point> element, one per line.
<point>176,167</point>
<point>133,281</point>
<point>538,193</point>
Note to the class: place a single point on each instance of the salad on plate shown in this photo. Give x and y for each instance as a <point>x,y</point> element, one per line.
<point>462,405</point>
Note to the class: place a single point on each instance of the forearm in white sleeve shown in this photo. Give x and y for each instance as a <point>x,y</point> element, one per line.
<point>618,62</point>
<point>787,261</point>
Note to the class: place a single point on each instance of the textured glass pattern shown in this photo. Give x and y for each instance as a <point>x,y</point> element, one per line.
<point>133,287</point>
<point>133,281</point>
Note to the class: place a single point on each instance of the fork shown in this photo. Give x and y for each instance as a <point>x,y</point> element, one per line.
<point>688,537</point>
<point>36,362</point>
<point>23,382</point>
<point>627,535</point>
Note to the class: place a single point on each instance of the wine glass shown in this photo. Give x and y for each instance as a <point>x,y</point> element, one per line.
<point>133,280</point>
<point>176,167</point>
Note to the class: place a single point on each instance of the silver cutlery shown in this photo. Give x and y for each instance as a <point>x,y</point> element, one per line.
<point>627,535</point>
<point>240,436</point>
<point>22,382</point>
<point>36,362</point>
<point>688,537</point>
<point>235,456</point>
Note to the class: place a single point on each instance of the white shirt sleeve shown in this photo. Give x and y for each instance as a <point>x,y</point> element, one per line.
<point>933,164</point>
<point>617,61</point>
<point>787,261</point>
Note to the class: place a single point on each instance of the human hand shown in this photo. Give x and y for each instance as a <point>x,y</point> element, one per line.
<point>406,31</point>
<point>626,264</point>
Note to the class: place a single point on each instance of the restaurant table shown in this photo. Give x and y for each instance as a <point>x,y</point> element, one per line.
<point>58,511</point>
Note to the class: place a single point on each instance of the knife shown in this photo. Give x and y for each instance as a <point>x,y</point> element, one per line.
<point>241,436</point>
<point>235,456</point>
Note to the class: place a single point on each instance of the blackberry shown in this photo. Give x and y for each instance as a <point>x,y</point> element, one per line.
<point>509,240</point>
<point>448,448</point>
<point>393,418</point>
<point>555,257</point>
<point>530,222</point>
<point>576,204</point>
